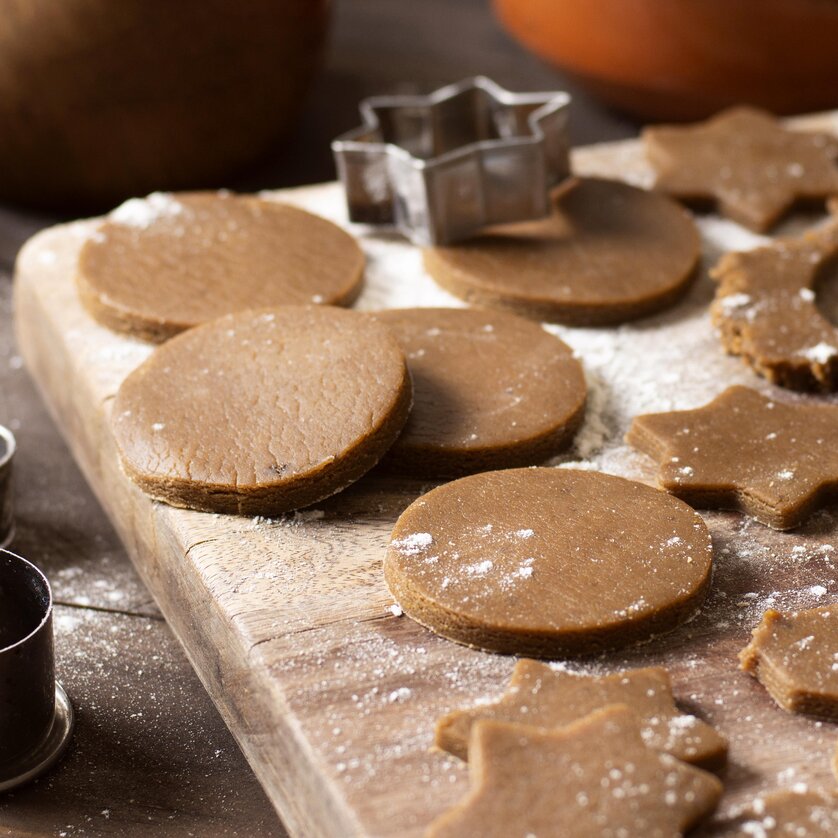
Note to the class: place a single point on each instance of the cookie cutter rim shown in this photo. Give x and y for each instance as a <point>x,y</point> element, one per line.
<point>48,749</point>
<point>8,439</point>
<point>387,186</point>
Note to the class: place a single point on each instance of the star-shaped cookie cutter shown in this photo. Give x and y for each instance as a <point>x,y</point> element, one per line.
<point>440,167</point>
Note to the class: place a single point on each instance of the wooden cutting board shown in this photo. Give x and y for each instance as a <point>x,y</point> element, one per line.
<point>331,696</point>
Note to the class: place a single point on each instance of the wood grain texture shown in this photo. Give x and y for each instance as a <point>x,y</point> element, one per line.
<point>287,622</point>
<point>129,680</point>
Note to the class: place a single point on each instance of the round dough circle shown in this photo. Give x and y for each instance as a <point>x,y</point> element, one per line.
<point>609,253</point>
<point>490,390</point>
<point>548,562</point>
<point>162,264</point>
<point>263,411</point>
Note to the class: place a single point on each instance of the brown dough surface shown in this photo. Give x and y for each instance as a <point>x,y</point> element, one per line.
<point>766,310</point>
<point>786,814</point>
<point>543,697</point>
<point>609,253</point>
<point>594,777</point>
<point>547,561</point>
<point>490,390</point>
<point>743,450</point>
<point>165,263</point>
<point>745,161</point>
<point>795,657</point>
<point>263,411</point>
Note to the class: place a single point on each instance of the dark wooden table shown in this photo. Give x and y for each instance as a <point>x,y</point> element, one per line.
<point>151,756</point>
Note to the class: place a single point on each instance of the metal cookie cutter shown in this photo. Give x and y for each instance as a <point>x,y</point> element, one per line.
<point>36,717</point>
<point>7,521</point>
<point>440,167</point>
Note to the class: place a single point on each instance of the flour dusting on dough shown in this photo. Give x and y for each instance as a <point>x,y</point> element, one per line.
<point>414,543</point>
<point>143,212</point>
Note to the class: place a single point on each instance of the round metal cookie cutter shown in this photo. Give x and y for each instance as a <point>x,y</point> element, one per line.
<point>36,716</point>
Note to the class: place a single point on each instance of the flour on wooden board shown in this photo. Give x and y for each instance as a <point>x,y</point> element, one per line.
<point>671,361</point>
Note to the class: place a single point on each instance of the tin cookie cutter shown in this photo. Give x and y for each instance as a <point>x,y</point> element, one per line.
<point>440,167</point>
<point>36,717</point>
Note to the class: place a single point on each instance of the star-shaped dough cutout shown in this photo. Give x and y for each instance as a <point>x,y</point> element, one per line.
<point>746,161</point>
<point>543,697</point>
<point>766,309</point>
<point>594,777</point>
<point>795,657</point>
<point>773,460</point>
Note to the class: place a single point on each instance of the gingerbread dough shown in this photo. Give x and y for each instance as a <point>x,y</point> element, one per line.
<point>743,450</point>
<point>264,411</point>
<point>594,777</point>
<point>795,657</point>
<point>546,698</point>
<point>548,561</point>
<point>766,310</point>
<point>609,253</point>
<point>746,161</point>
<point>786,814</point>
<point>165,263</point>
<point>490,390</point>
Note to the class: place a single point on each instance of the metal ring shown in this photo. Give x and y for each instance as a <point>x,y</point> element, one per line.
<point>36,716</point>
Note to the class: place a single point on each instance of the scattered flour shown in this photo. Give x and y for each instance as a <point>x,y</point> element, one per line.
<point>143,212</point>
<point>411,545</point>
<point>820,353</point>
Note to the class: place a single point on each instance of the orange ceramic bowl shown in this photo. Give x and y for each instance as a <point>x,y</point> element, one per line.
<point>102,99</point>
<point>684,59</point>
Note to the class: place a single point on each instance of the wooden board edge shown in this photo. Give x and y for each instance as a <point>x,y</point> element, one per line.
<point>311,807</point>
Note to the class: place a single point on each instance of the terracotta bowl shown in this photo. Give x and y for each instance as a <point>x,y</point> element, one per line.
<point>684,59</point>
<point>102,99</point>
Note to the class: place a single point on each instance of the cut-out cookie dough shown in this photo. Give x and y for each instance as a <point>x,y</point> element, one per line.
<point>785,813</point>
<point>542,697</point>
<point>162,264</point>
<point>546,561</point>
<point>593,777</point>
<point>795,657</point>
<point>744,450</point>
<point>746,161</point>
<point>490,390</point>
<point>261,412</point>
<point>609,253</point>
<point>765,310</point>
